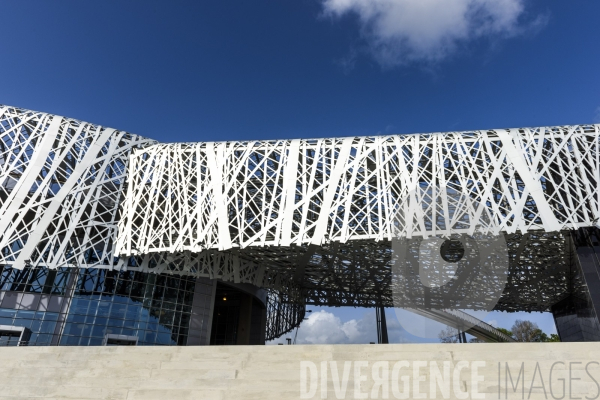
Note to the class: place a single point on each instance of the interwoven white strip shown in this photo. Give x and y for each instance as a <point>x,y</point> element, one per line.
<point>61,185</point>
<point>198,196</point>
<point>61,182</point>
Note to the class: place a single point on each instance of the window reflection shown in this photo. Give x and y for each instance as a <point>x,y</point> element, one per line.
<point>155,308</point>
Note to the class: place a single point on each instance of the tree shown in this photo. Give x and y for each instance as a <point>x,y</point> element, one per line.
<point>449,335</point>
<point>526,331</point>
<point>505,331</point>
<point>539,336</point>
<point>553,338</point>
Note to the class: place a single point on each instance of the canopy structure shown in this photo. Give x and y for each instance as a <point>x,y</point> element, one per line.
<point>325,211</point>
<point>316,192</point>
<point>313,220</point>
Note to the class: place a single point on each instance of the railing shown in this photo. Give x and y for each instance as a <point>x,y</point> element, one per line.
<point>466,323</point>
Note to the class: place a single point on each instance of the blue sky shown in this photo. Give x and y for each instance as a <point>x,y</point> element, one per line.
<point>230,70</point>
<point>224,70</point>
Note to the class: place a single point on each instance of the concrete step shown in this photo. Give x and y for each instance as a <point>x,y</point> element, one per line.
<point>274,372</point>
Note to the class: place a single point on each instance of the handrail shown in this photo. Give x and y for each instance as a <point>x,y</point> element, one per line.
<point>465,322</point>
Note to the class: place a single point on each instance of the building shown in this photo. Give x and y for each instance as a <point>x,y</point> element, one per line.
<point>111,238</point>
<point>60,282</point>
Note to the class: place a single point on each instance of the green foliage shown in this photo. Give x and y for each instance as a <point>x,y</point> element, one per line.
<point>505,331</point>
<point>539,336</point>
<point>554,338</point>
<point>527,331</point>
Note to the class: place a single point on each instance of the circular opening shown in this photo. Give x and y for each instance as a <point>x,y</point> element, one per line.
<point>452,250</point>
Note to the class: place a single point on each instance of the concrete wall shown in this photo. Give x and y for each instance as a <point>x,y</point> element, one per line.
<point>274,372</point>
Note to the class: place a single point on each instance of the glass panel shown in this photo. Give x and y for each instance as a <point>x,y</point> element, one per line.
<point>25,314</point>
<point>47,327</point>
<point>105,301</point>
<point>7,313</point>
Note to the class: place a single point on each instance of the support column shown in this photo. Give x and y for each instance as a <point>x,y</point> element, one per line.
<point>244,323</point>
<point>202,312</point>
<point>382,333</point>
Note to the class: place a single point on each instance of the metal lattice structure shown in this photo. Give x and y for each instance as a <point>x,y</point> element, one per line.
<point>310,220</point>
<point>61,184</point>
<point>313,192</point>
<point>324,211</point>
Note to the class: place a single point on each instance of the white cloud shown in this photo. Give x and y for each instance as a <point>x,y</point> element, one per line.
<point>404,31</point>
<point>324,327</point>
<point>493,323</point>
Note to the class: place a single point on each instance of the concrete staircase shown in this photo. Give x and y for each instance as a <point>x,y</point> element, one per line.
<point>274,372</point>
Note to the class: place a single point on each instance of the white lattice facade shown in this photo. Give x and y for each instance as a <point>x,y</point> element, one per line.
<point>194,197</point>
<point>60,188</point>
<point>310,220</point>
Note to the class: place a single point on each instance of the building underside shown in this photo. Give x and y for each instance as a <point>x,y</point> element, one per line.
<point>226,243</point>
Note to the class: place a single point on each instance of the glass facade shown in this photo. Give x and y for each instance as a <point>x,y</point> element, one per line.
<point>71,306</point>
<point>41,323</point>
<point>576,316</point>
